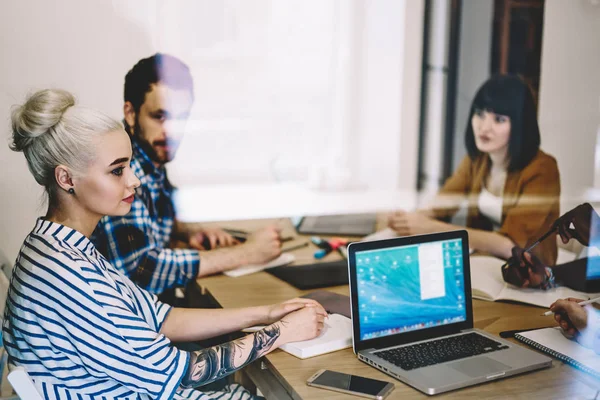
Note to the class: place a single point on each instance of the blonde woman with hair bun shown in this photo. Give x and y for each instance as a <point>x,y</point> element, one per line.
<point>80,327</point>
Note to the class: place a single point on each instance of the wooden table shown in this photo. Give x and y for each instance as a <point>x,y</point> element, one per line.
<point>290,373</point>
<point>280,375</point>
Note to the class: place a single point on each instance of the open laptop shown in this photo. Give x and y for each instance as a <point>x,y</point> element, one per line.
<point>412,315</point>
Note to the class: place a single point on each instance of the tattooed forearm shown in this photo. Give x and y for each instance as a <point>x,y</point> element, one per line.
<point>263,341</point>
<point>216,362</point>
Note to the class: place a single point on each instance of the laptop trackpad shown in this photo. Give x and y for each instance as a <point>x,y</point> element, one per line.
<point>479,366</point>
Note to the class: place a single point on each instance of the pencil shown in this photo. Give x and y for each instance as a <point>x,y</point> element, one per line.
<point>299,246</point>
<point>241,234</point>
<point>581,303</point>
<point>235,231</point>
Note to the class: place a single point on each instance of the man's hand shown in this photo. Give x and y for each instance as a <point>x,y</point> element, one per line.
<point>583,217</point>
<point>524,269</point>
<point>215,236</point>
<point>263,245</point>
<point>571,317</point>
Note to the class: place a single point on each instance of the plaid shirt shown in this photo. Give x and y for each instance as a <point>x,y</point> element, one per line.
<point>137,243</point>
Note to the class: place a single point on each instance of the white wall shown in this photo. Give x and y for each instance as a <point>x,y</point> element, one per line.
<point>317,93</point>
<point>85,47</point>
<point>278,83</point>
<point>569,104</point>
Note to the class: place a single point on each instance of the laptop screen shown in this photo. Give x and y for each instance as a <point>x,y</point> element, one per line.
<point>410,287</point>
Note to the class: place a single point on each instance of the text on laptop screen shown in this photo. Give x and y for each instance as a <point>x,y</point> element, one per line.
<point>410,287</point>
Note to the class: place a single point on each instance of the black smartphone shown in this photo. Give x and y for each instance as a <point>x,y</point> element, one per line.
<point>351,384</point>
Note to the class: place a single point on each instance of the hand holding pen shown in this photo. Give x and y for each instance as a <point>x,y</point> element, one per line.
<point>584,220</point>
<point>570,314</point>
<point>526,270</point>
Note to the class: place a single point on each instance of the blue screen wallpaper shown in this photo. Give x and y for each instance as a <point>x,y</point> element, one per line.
<point>410,287</point>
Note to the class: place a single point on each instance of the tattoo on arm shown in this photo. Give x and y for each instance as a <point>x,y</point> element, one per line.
<point>216,362</point>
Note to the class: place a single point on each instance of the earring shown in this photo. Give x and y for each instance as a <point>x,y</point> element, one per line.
<point>71,191</point>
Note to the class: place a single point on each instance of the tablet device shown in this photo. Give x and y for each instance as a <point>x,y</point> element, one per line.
<point>338,225</point>
<point>312,276</point>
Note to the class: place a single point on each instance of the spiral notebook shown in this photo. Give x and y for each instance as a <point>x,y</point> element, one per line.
<point>552,341</point>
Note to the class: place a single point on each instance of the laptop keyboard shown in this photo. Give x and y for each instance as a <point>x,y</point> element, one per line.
<point>439,351</point>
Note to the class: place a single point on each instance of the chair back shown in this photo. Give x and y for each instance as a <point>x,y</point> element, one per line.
<point>23,385</point>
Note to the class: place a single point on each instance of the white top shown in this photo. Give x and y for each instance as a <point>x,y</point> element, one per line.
<point>490,206</point>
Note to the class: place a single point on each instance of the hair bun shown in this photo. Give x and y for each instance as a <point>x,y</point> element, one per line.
<point>39,114</point>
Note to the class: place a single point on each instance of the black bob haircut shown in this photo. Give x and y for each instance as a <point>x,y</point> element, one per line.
<point>508,95</point>
<point>160,67</point>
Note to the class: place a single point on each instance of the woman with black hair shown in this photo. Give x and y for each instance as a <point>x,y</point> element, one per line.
<point>512,188</point>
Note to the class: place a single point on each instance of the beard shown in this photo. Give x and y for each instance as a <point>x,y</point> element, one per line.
<point>150,149</point>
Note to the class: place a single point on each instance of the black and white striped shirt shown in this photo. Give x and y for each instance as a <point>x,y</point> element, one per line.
<point>82,330</point>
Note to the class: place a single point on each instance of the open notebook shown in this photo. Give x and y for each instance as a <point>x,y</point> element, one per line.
<point>283,259</point>
<point>336,335</point>
<point>487,284</point>
<point>552,341</point>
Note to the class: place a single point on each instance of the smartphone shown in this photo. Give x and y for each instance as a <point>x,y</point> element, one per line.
<point>351,384</point>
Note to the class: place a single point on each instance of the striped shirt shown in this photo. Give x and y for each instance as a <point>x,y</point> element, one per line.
<point>137,243</point>
<point>82,330</point>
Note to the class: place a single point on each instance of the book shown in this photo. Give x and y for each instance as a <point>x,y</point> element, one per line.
<point>336,335</point>
<point>552,341</point>
<point>283,259</point>
<point>487,284</point>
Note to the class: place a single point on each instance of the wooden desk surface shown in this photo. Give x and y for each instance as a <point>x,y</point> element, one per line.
<point>561,381</point>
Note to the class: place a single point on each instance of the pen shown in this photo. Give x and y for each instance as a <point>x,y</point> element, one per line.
<point>541,239</point>
<point>550,232</point>
<point>320,243</point>
<point>582,303</point>
<point>509,334</point>
<point>235,231</point>
<point>321,253</point>
<point>323,245</point>
<point>299,246</point>
<point>240,235</point>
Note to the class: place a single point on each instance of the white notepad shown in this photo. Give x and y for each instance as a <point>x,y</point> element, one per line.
<point>552,341</point>
<point>283,259</point>
<point>336,335</point>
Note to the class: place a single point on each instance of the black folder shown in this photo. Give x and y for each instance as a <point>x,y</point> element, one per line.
<point>312,276</point>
